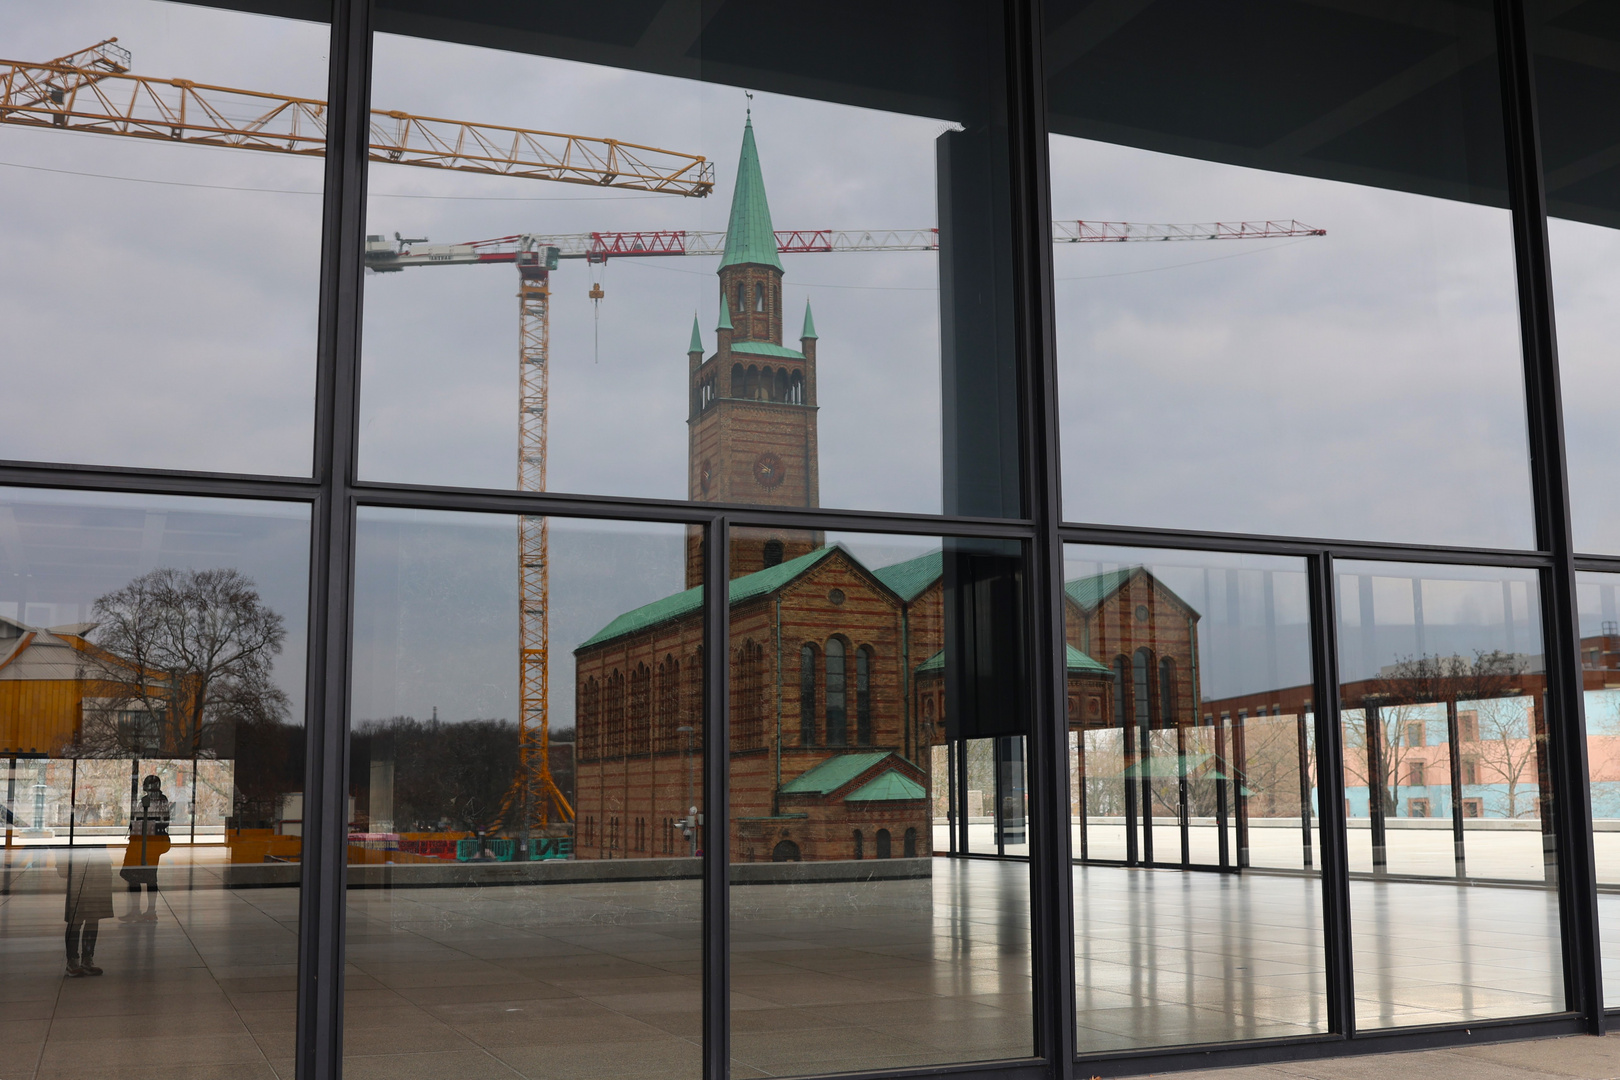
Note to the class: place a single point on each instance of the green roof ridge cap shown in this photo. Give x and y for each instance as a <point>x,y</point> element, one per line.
<point>908,579</point>
<point>679,604</point>
<point>750,237</point>
<point>834,773</point>
<point>888,786</point>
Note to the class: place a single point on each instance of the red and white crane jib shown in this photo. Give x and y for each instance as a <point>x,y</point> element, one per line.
<point>383,255</point>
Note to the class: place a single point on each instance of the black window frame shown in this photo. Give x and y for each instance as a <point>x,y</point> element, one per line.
<point>335,494</point>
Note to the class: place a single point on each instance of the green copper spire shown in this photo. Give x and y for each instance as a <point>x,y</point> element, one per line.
<point>697,338</point>
<point>809,323</point>
<point>749,235</point>
<point>725,313</point>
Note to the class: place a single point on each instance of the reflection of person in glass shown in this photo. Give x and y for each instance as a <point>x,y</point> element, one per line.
<point>148,840</point>
<point>89,900</point>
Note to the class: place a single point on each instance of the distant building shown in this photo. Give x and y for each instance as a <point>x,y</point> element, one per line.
<point>42,690</point>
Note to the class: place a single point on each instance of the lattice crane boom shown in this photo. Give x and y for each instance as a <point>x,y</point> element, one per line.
<point>383,256</point>
<point>94,91</point>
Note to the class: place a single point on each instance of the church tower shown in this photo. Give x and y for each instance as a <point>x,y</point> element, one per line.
<point>752,423</point>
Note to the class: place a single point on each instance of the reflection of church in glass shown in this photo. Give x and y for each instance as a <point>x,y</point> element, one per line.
<point>837,670</point>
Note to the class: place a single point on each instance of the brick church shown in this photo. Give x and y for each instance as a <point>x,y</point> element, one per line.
<point>837,669</point>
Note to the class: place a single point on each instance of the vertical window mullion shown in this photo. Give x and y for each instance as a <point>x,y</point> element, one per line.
<point>324,866</point>
<point>1550,485</point>
<point>1051,876</point>
<point>1334,843</point>
<point>716,831</point>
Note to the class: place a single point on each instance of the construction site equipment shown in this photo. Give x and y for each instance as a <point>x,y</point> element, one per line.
<point>92,90</point>
<point>383,256</point>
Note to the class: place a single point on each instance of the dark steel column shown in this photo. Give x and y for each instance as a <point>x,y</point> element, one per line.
<point>1051,873</point>
<point>1550,483</point>
<point>324,870</point>
<point>1377,783</point>
<point>1341,995</point>
<point>1304,783</point>
<point>1454,742</point>
<point>1223,771</point>
<point>716,803</point>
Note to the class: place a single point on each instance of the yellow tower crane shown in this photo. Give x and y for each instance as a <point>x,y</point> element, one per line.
<point>92,90</point>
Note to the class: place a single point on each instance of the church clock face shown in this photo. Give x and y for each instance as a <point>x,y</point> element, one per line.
<point>706,475</point>
<point>768,470</point>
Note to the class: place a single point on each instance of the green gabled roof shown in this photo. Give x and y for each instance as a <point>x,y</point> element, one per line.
<point>889,787</point>
<point>697,337</point>
<point>1164,766</point>
<point>1088,592</point>
<point>765,348</point>
<point>833,773</point>
<point>750,238</point>
<point>911,577</point>
<point>809,323</point>
<point>685,603</point>
<point>1078,662</point>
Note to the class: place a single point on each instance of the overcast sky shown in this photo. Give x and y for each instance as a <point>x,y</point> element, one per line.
<point>1361,384</point>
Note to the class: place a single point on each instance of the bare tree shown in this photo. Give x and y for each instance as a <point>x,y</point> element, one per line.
<point>1409,691</point>
<point>181,659</point>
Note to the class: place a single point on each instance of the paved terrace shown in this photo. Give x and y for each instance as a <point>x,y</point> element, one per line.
<point>582,978</point>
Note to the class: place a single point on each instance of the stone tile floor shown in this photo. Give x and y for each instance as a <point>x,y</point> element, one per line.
<point>591,980</point>
<point>1578,1057</point>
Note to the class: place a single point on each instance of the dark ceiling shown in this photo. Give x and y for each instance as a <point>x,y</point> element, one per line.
<point>1395,93</point>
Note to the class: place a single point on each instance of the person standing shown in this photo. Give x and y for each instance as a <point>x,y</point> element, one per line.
<point>148,841</point>
<point>89,900</point>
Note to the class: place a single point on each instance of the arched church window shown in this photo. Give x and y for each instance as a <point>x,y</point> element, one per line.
<point>910,848</point>
<point>796,391</point>
<point>863,696</point>
<point>742,298</point>
<point>736,380</point>
<point>807,696</point>
<point>1122,681</point>
<point>773,553</point>
<point>860,845</point>
<point>884,849</point>
<point>837,714</point>
<point>751,383</point>
<point>759,297</point>
<point>783,386</point>
<point>1141,691</point>
<point>1167,692</point>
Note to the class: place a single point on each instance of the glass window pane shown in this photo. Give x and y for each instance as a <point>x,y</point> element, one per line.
<point>857,941</point>
<point>512,744</point>
<point>1453,892</point>
<point>1600,663</point>
<point>1578,93</point>
<point>152,742</point>
<point>745,306</point>
<point>1334,351</point>
<point>160,286</point>
<point>1192,749</point>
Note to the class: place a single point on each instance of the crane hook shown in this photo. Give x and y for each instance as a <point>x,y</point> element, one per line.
<point>596,295</point>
